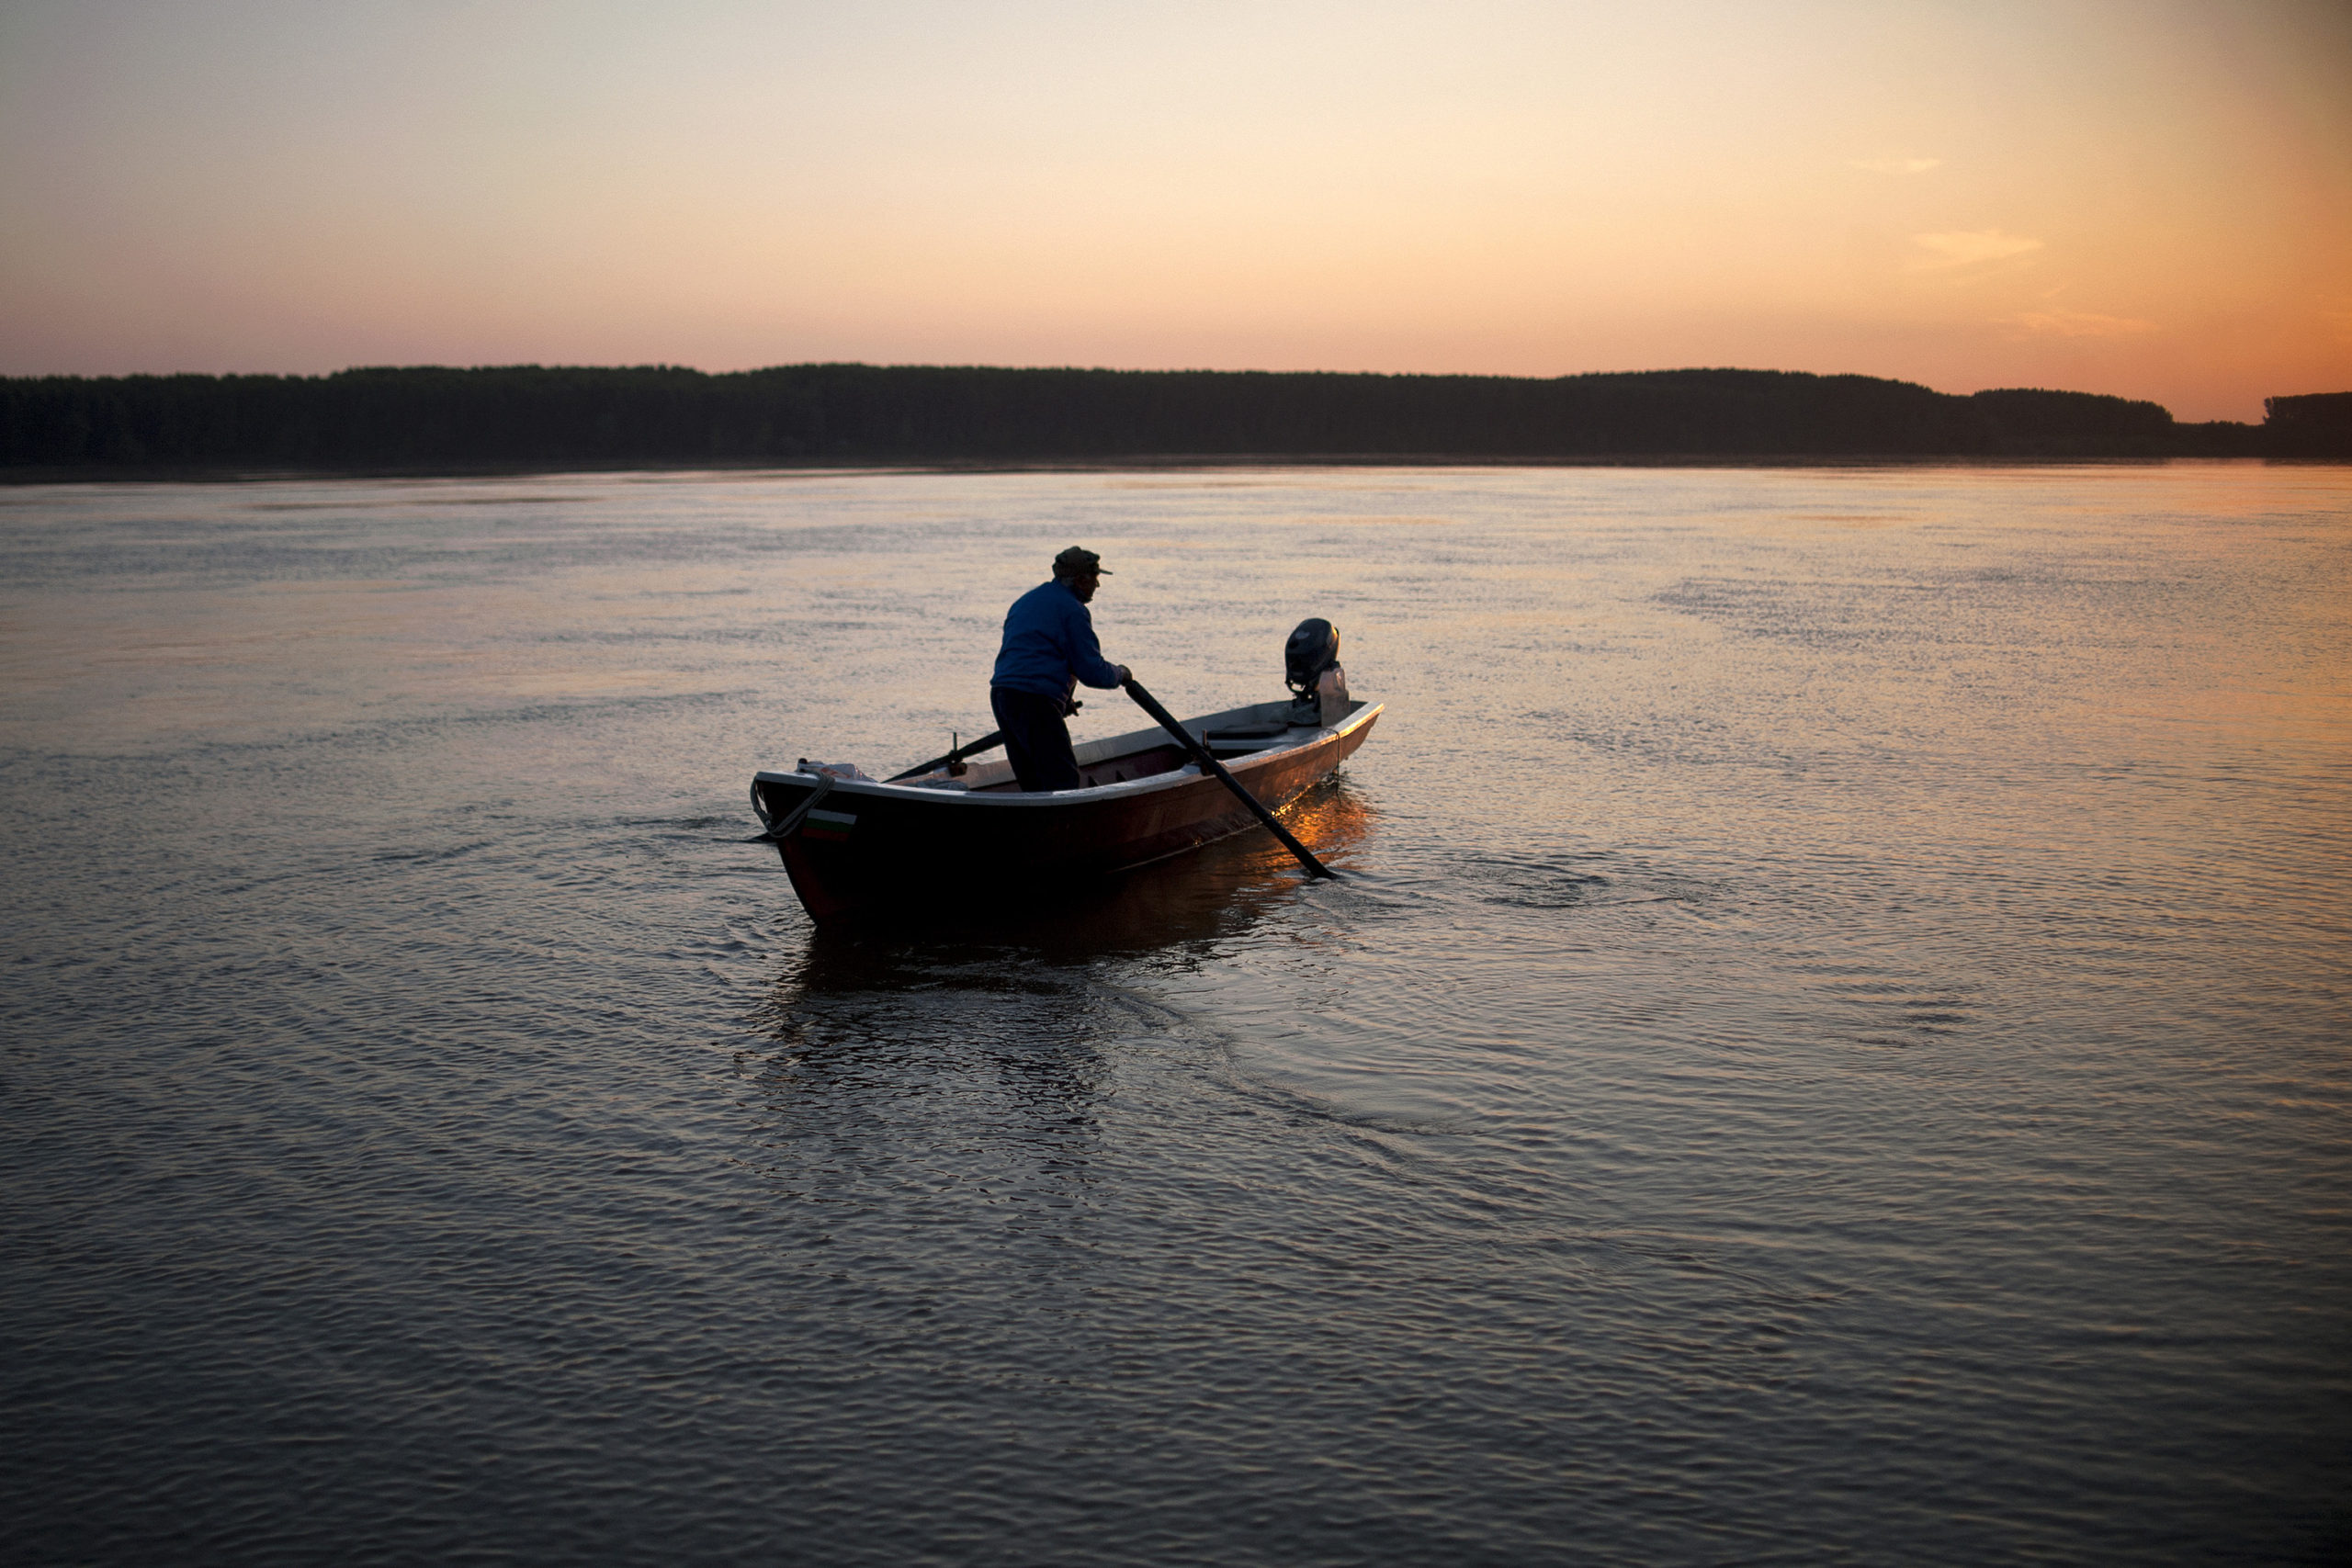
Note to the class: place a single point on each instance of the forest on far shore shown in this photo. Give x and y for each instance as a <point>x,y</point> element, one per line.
<point>429,418</point>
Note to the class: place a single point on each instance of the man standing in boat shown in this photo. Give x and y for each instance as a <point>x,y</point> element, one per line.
<point>1049,647</point>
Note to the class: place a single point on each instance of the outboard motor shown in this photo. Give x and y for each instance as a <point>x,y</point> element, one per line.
<point>1311,668</point>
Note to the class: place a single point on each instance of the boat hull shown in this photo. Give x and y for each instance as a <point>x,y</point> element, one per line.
<point>870,847</point>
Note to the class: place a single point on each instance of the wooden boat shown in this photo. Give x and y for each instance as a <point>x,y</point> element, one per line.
<point>855,846</point>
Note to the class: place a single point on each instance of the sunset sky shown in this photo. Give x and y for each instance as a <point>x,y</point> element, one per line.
<point>2150,198</point>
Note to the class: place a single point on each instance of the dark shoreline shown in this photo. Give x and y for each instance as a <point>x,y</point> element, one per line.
<point>432,421</point>
<point>30,477</point>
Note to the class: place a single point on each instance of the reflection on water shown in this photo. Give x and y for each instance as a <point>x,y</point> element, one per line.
<point>996,1004</point>
<point>1827,1042</point>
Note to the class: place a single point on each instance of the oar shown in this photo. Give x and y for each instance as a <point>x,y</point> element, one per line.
<point>973,748</point>
<point>1209,765</point>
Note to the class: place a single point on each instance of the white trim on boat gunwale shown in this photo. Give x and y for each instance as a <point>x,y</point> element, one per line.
<point>1364,713</point>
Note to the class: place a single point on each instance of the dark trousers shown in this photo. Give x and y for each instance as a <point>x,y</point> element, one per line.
<point>1034,737</point>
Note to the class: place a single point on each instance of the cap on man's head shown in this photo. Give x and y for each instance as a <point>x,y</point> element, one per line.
<point>1075,562</point>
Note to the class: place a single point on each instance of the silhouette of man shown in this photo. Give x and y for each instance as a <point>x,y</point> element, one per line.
<point>1049,648</point>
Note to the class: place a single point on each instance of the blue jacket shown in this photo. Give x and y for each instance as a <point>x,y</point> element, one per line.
<point>1049,643</point>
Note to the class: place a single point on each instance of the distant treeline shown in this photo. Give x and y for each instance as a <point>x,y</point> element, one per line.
<point>428,418</point>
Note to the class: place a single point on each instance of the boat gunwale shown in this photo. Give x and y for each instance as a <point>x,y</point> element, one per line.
<point>883,789</point>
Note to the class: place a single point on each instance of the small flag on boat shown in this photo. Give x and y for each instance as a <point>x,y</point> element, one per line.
<point>832,825</point>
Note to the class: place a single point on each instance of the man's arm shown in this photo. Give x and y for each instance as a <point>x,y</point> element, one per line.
<point>1086,661</point>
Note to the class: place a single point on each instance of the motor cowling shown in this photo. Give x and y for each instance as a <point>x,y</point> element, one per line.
<point>1313,649</point>
<point>1311,670</point>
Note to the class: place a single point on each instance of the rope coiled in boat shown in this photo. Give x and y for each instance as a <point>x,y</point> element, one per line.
<point>775,833</point>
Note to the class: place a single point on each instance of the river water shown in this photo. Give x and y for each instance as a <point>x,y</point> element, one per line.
<point>1831,1043</point>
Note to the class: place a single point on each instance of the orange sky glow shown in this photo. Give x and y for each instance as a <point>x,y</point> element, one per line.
<point>2152,198</point>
